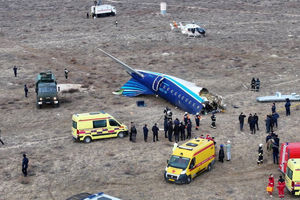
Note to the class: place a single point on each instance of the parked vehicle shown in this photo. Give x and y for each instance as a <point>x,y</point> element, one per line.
<point>96,125</point>
<point>292,176</point>
<point>189,160</point>
<point>288,151</point>
<point>99,10</point>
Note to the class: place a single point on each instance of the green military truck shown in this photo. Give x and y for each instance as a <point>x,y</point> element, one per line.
<point>46,89</point>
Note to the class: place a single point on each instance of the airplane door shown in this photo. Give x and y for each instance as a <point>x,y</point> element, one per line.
<point>157,82</point>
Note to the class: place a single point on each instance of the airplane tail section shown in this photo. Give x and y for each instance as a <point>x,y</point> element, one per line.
<point>129,69</point>
<point>133,88</point>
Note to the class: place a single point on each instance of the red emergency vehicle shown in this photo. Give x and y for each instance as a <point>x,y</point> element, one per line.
<point>287,151</point>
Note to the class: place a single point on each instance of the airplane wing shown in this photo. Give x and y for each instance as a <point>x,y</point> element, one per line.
<point>129,69</point>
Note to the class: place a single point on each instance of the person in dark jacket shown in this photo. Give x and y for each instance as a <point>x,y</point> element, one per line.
<point>170,130</point>
<point>241,120</point>
<point>221,153</point>
<point>176,130</point>
<point>66,73</point>
<point>253,84</point>
<point>166,127</point>
<point>252,125</point>
<point>25,165</point>
<point>182,131</point>
<point>260,159</point>
<point>250,119</point>
<point>133,133</point>
<point>155,130</point>
<point>197,120</point>
<point>257,84</point>
<point>275,148</point>
<point>189,129</point>
<point>145,130</point>
<point>268,124</point>
<point>25,90</point>
<point>287,107</point>
<point>15,70</point>
<point>213,121</point>
<point>275,117</point>
<point>255,117</point>
<point>273,109</point>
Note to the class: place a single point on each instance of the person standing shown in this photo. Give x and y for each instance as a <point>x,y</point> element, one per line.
<point>170,130</point>
<point>185,119</point>
<point>176,130</point>
<point>255,117</point>
<point>275,117</point>
<point>253,84</point>
<point>221,153</point>
<point>197,120</point>
<point>25,165</point>
<point>25,90</point>
<point>269,142</point>
<point>271,184</point>
<point>260,155</point>
<point>133,133</point>
<point>182,131</point>
<point>228,150</point>
<point>15,70</point>
<point>241,120</point>
<point>252,126</point>
<point>66,73</point>
<point>116,22</point>
<point>166,127</point>
<point>213,121</point>
<point>280,187</point>
<point>189,129</point>
<point>257,84</point>
<point>0,139</point>
<point>155,130</point>
<point>145,130</point>
<point>287,107</point>
<point>87,15</point>
<point>268,124</point>
<point>249,120</point>
<point>275,148</point>
<point>273,109</point>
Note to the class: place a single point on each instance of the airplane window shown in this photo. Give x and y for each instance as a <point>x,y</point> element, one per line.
<point>172,91</point>
<point>179,95</point>
<point>190,102</point>
<point>164,86</point>
<point>168,89</point>
<point>198,107</point>
<point>186,100</point>
<point>175,93</point>
<point>194,104</point>
<point>182,97</point>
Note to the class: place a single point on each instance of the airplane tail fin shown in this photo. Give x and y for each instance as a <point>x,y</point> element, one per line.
<point>129,69</point>
<point>133,88</point>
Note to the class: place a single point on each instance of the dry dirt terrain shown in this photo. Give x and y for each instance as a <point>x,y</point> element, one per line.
<point>245,39</point>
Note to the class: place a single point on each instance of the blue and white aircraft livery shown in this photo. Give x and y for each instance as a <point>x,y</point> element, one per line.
<point>183,94</point>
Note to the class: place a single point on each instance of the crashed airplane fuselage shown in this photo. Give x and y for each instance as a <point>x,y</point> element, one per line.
<point>181,93</point>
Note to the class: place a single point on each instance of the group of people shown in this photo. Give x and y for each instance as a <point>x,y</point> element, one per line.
<point>222,152</point>
<point>280,186</point>
<point>252,121</point>
<point>255,84</point>
<point>272,141</point>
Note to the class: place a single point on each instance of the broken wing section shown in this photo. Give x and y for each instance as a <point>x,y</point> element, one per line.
<point>212,102</point>
<point>133,88</point>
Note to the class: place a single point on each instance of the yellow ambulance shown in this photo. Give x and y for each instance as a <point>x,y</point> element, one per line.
<point>96,125</point>
<point>292,176</point>
<point>190,159</point>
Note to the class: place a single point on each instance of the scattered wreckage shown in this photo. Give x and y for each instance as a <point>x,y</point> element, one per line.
<point>279,97</point>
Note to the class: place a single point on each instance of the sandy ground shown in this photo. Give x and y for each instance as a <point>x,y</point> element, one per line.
<point>245,39</point>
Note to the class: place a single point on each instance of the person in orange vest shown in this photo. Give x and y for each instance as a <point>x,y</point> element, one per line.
<point>197,120</point>
<point>271,184</point>
<point>280,187</point>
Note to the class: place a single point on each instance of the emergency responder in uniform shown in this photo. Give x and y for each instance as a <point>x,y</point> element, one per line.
<point>213,121</point>
<point>255,117</point>
<point>182,131</point>
<point>25,165</point>
<point>280,187</point>
<point>25,90</point>
<point>189,129</point>
<point>185,119</point>
<point>260,154</point>
<point>170,130</point>
<point>168,113</point>
<point>66,73</point>
<point>145,130</point>
<point>241,120</point>
<point>15,70</point>
<point>253,84</point>
<point>176,130</point>
<point>287,107</point>
<point>116,22</point>
<point>197,120</point>
<point>257,85</point>
<point>155,130</point>
<point>166,127</point>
